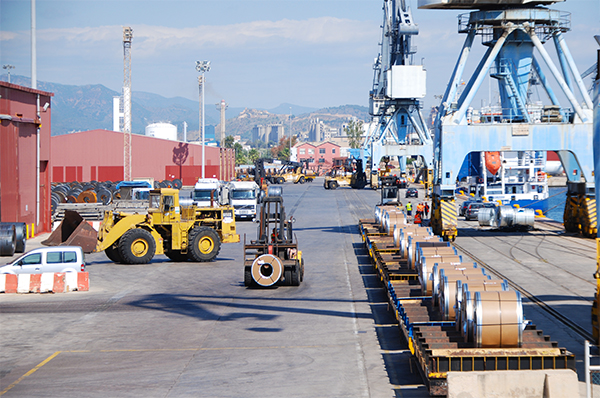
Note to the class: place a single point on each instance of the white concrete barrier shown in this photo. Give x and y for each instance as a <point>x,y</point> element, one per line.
<point>553,383</point>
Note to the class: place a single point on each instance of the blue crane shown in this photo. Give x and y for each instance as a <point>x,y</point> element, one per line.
<point>397,127</point>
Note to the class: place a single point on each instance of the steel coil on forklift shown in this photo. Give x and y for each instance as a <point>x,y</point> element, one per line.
<point>266,270</point>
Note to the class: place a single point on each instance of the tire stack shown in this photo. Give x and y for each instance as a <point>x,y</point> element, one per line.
<point>13,237</point>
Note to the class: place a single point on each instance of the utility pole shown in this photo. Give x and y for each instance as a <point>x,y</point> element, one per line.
<point>202,67</point>
<point>290,151</point>
<point>127,38</point>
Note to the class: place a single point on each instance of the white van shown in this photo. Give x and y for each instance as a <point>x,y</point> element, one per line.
<point>47,259</point>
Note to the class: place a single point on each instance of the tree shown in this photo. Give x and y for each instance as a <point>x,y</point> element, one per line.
<point>253,154</point>
<point>229,141</point>
<point>240,154</point>
<point>282,151</point>
<point>354,131</point>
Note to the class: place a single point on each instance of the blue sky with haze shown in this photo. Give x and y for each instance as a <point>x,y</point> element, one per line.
<point>263,53</point>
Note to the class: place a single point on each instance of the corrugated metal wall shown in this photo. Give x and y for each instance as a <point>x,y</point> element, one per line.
<point>98,155</point>
<point>18,140</point>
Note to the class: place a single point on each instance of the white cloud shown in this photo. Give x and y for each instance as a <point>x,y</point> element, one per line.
<point>150,40</point>
<point>6,36</point>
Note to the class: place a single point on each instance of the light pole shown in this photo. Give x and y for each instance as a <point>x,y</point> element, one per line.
<point>290,153</point>
<point>202,67</point>
<point>8,68</point>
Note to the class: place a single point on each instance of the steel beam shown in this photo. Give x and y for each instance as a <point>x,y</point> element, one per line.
<point>459,116</point>
<point>540,47</point>
<point>562,48</point>
<point>544,82</point>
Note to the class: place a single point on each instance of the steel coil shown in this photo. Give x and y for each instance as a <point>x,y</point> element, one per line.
<point>487,217</point>
<point>440,270</point>
<point>8,240</point>
<point>104,195</point>
<point>87,197</point>
<point>266,270</point>
<point>398,234</point>
<point>20,235</point>
<point>411,231</point>
<point>465,294</point>
<point>393,218</point>
<point>274,191</point>
<point>429,247</point>
<point>524,217</point>
<point>425,274</point>
<point>498,319</point>
<point>505,216</point>
<point>411,246</point>
<point>448,287</point>
<point>177,184</point>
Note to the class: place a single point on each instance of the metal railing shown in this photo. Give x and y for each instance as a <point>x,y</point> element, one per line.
<point>592,372</point>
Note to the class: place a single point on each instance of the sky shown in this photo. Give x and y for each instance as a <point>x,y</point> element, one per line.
<point>262,53</point>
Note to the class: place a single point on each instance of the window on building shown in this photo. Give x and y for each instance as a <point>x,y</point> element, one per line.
<point>333,150</point>
<point>322,150</point>
<point>321,160</point>
<point>302,151</point>
<point>311,151</point>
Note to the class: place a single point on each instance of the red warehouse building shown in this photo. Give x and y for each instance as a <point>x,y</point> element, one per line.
<point>318,155</point>
<point>25,145</point>
<point>97,155</point>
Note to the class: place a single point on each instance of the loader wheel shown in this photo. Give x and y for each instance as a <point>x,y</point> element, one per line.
<point>204,244</point>
<point>302,270</point>
<point>176,256</point>
<point>302,180</point>
<point>112,252</point>
<point>333,185</point>
<point>137,246</point>
<point>281,180</point>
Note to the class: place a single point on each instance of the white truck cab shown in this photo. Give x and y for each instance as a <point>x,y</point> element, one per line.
<point>243,196</point>
<point>207,192</point>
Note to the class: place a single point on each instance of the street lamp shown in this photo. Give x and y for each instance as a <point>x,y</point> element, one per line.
<point>202,67</point>
<point>8,68</point>
<point>290,152</point>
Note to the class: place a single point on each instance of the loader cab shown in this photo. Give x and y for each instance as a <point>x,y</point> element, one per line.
<point>164,206</point>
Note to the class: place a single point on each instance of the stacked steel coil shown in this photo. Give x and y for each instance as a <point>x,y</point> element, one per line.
<point>95,191</point>
<point>460,290</point>
<point>13,238</point>
<point>506,217</point>
<point>454,315</point>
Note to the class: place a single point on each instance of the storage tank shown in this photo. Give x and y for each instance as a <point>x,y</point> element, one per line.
<point>165,131</point>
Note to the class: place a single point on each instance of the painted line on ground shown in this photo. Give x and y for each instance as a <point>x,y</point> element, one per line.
<point>32,371</point>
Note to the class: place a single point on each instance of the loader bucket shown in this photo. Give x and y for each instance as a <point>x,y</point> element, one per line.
<point>73,231</point>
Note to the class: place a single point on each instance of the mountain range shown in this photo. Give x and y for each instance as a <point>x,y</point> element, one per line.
<point>88,107</point>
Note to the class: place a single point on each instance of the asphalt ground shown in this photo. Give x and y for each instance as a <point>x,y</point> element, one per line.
<point>186,329</point>
<point>192,329</point>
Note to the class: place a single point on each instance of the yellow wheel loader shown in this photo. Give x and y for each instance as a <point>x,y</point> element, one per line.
<point>181,233</point>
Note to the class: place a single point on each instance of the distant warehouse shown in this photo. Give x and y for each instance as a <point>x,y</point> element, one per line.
<point>97,155</point>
